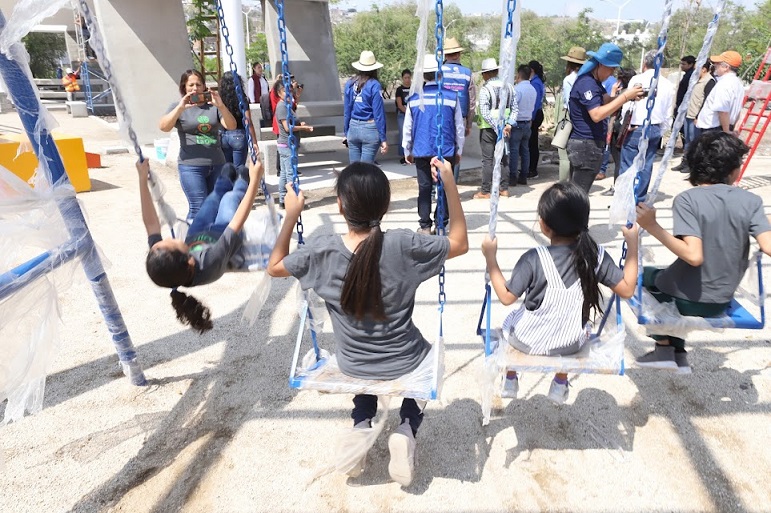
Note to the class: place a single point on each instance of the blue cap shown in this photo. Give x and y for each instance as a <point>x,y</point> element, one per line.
<point>608,55</point>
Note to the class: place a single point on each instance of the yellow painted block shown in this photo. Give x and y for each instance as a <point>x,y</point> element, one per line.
<point>24,166</point>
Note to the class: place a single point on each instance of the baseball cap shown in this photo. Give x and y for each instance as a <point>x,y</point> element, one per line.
<point>730,57</point>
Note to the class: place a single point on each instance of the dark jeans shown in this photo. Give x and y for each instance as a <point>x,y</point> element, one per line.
<point>535,152</point>
<point>684,306</point>
<point>519,151</point>
<point>234,146</point>
<point>365,407</point>
<point>219,207</point>
<point>585,157</point>
<point>197,182</point>
<point>487,140</point>
<point>400,121</point>
<point>425,184</point>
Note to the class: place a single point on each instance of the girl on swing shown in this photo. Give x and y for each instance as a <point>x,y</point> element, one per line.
<point>368,279</point>
<point>213,239</point>
<point>561,283</point>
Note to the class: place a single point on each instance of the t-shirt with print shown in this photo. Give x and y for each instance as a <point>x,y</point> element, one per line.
<point>366,348</point>
<point>723,217</point>
<point>281,115</point>
<point>198,128</point>
<point>403,93</point>
<point>586,95</point>
<point>529,277</point>
<point>212,253</point>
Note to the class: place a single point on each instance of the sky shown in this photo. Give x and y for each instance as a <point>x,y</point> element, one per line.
<point>635,9</point>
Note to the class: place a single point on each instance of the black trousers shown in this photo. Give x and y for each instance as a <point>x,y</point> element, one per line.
<point>535,154</point>
<point>365,407</point>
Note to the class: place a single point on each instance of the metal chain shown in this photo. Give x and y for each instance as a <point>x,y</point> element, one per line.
<point>440,214</point>
<point>288,100</point>
<point>510,6</point>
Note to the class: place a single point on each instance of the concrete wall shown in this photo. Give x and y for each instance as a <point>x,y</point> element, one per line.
<point>147,43</point>
<point>310,45</point>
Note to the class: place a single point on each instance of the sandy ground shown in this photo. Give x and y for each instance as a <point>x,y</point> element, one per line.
<point>218,429</point>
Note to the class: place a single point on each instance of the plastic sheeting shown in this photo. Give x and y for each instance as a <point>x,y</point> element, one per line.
<point>600,355</point>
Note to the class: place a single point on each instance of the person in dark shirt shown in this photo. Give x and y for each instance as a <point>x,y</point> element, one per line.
<point>212,241</point>
<point>402,95</point>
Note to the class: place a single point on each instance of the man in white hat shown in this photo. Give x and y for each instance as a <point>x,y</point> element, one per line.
<point>575,58</point>
<point>419,139</point>
<point>457,78</point>
<point>490,101</point>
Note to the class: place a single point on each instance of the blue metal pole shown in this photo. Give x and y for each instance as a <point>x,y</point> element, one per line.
<point>23,94</point>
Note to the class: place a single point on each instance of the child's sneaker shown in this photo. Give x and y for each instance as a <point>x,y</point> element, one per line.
<point>662,357</point>
<point>401,445</point>
<point>681,359</point>
<point>510,386</point>
<point>357,469</point>
<point>558,392</point>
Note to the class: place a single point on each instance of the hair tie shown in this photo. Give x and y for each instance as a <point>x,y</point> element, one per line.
<point>375,223</point>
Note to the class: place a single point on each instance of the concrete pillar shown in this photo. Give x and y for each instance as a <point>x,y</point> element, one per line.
<point>147,44</point>
<point>310,45</point>
<point>234,19</point>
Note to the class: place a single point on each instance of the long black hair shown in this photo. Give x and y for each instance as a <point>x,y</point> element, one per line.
<point>537,68</point>
<point>365,193</point>
<point>170,268</point>
<point>564,208</point>
<point>227,90</point>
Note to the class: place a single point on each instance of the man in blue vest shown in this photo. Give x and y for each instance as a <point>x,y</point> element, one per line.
<point>457,78</point>
<point>419,139</point>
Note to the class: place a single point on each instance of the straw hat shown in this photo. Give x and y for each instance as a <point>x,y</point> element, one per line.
<point>451,46</point>
<point>489,65</point>
<point>576,54</point>
<point>429,63</point>
<point>367,62</point>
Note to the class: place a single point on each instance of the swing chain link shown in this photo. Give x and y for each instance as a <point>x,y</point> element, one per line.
<point>440,213</point>
<point>510,6</point>
<point>288,100</point>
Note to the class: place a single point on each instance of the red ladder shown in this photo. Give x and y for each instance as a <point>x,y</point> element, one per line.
<point>758,103</point>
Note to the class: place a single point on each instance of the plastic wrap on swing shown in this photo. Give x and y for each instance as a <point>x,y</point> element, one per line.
<point>665,319</point>
<point>33,237</point>
<point>422,12</point>
<point>599,355</point>
<point>423,383</point>
<point>318,309</point>
<point>623,208</point>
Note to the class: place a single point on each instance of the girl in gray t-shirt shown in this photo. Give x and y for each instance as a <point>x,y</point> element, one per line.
<point>368,279</point>
<point>561,283</point>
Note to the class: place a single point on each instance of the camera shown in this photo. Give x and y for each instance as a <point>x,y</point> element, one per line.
<point>204,97</point>
<point>645,93</point>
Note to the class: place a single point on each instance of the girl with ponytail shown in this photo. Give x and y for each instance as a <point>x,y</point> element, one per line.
<point>368,278</point>
<point>561,283</point>
<point>213,239</point>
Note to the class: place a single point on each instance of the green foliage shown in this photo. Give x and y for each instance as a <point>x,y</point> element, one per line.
<point>258,51</point>
<point>45,51</point>
<point>199,24</point>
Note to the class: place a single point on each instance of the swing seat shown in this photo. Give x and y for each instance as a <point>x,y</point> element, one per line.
<point>324,375</point>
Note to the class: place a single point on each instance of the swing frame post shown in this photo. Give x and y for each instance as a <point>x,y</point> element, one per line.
<point>81,243</point>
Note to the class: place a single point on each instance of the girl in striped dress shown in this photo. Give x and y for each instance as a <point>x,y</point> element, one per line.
<point>560,283</point>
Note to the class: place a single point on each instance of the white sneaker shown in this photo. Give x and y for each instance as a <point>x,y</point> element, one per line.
<point>510,387</point>
<point>558,392</point>
<point>401,445</point>
<point>357,469</point>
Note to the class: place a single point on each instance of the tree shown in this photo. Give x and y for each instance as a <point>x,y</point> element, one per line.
<point>46,51</point>
<point>258,51</point>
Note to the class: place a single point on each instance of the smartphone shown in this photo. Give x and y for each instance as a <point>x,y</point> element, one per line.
<point>204,97</point>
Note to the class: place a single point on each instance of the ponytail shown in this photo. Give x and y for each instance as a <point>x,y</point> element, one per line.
<point>191,312</point>
<point>362,292</point>
<point>585,257</point>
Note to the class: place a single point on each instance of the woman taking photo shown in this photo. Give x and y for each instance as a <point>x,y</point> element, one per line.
<point>234,143</point>
<point>198,117</point>
<point>365,125</point>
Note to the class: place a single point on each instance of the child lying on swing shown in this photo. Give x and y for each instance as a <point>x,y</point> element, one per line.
<point>712,223</point>
<point>213,239</point>
<point>561,283</point>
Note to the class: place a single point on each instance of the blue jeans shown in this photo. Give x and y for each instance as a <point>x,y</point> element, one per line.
<point>285,175</point>
<point>363,141</point>
<point>519,151</point>
<point>234,146</point>
<point>197,182</point>
<point>219,207</point>
<point>691,132</point>
<point>400,122</point>
<point>629,152</point>
<point>605,160</point>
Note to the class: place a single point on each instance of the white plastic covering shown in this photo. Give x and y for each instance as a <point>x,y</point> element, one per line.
<point>423,10</point>
<point>600,355</point>
<point>31,224</point>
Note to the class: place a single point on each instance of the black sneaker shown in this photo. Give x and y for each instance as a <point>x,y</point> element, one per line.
<point>403,161</point>
<point>681,359</point>
<point>662,357</point>
<point>532,174</point>
<point>522,181</point>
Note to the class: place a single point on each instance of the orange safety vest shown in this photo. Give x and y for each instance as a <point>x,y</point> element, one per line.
<point>70,83</point>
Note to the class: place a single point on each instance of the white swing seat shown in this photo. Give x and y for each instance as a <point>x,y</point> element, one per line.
<point>324,375</point>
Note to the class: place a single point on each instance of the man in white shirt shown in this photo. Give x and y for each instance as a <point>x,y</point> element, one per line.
<point>724,104</point>
<point>661,119</point>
